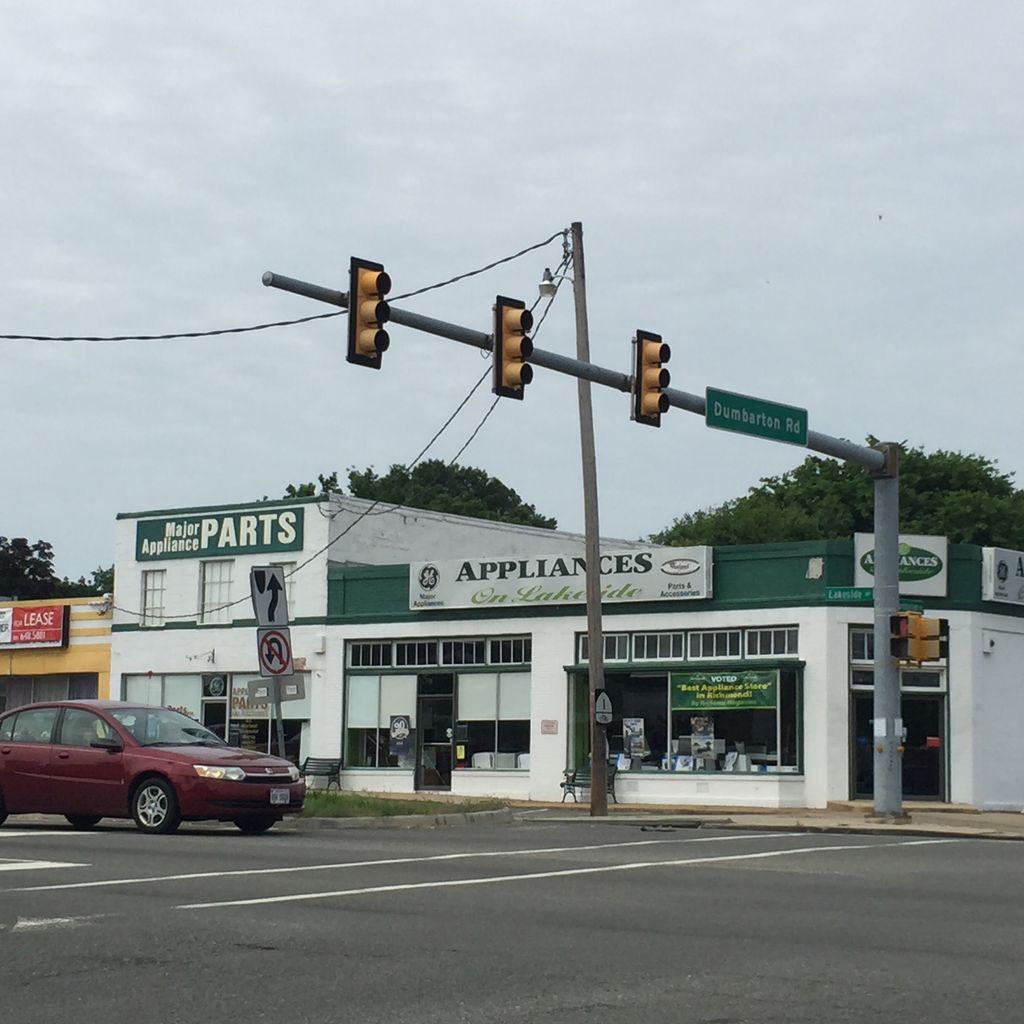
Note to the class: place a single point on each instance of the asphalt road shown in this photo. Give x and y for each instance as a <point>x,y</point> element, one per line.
<point>529,921</point>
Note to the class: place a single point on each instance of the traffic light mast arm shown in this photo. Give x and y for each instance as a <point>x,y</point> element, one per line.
<point>869,458</point>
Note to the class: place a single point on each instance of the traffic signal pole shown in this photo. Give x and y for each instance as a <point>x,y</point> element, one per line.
<point>881,462</point>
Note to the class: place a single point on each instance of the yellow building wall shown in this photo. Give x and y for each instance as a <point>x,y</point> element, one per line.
<point>88,647</point>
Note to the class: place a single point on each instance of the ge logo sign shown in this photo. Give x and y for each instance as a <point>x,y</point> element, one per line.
<point>429,577</point>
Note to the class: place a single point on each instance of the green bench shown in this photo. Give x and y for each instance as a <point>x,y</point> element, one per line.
<point>580,778</point>
<point>328,768</point>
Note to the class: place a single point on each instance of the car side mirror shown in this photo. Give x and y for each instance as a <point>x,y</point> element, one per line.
<point>109,743</point>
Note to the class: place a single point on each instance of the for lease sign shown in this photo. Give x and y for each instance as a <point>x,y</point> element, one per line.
<point>34,626</point>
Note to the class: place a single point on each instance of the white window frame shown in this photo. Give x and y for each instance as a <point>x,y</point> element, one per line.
<point>153,611</point>
<point>731,637</point>
<point>790,641</point>
<point>213,607</point>
<point>662,640</point>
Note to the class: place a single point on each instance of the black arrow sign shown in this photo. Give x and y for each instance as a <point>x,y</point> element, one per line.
<point>275,587</point>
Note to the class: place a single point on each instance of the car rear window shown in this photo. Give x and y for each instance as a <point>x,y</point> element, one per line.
<point>35,726</point>
<point>6,728</point>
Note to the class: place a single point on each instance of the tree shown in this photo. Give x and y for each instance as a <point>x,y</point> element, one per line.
<point>26,570</point>
<point>435,485</point>
<point>963,497</point>
<point>26,573</point>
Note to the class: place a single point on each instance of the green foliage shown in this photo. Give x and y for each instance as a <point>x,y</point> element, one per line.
<point>328,485</point>
<point>963,497</point>
<point>321,804</point>
<point>26,573</point>
<point>435,485</point>
<point>460,490</point>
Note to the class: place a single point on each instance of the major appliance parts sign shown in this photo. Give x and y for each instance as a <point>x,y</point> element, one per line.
<point>922,560</point>
<point>231,533</point>
<point>34,626</point>
<point>646,574</point>
<point>1002,575</point>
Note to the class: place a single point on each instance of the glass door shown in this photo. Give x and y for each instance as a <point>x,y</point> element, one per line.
<point>924,754</point>
<point>435,722</point>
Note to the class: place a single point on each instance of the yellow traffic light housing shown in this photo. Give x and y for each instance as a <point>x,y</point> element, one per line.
<point>650,378</point>
<point>512,347</point>
<point>914,638</point>
<point>368,283</point>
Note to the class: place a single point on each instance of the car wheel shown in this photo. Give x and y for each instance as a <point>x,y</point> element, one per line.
<point>155,806</point>
<point>254,826</point>
<point>82,820</point>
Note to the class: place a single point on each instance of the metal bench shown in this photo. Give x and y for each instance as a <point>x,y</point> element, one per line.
<point>328,768</point>
<point>580,778</point>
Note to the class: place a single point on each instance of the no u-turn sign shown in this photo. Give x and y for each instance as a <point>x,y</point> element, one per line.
<point>274,647</point>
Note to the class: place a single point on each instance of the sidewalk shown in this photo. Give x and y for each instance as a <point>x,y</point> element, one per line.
<point>849,817</point>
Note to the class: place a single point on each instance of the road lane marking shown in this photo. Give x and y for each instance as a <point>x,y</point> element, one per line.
<point>391,861</point>
<point>567,872</point>
<point>7,833</point>
<point>36,865</point>
<point>39,924</point>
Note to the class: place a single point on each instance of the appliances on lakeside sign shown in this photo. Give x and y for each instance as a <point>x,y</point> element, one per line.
<point>38,625</point>
<point>923,561</point>
<point>228,533</point>
<point>1002,575</point>
<point>645,574</point>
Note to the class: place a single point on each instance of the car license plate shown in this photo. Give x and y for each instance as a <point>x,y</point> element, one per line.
<point>280,796</point>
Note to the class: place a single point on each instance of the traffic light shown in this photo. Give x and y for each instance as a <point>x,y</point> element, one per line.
<point>914,638</point>
<point>367,313</point>
<point>649,378</point>
<point>512,347</point>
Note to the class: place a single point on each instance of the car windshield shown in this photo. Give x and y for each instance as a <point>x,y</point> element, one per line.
<point>161,727</point>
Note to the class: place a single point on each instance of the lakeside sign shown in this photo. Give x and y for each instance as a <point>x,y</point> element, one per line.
<point>724,691</point>
<point>923,560</point>
<point>644,574</point>
<point>743,414</point>
<point>228,533</point>
<point>1002,575</point>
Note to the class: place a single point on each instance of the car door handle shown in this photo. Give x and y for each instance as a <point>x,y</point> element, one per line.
<point>5,750</point>
<point>63,754</point>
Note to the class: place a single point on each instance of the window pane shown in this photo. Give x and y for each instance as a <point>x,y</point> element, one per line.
<point>184,694</point>
<point>143,689</point>
<point>35,726</point>
<point>362,701</point>
<point>478,697</point>
<point>215,591</point>
<point>80,728</point>
<point>514,696</point>
<point>397,697</point>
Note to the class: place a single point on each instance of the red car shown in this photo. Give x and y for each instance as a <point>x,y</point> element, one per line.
<point>93,759</point>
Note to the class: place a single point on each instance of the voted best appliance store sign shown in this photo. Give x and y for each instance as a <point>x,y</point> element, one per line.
<point>231,533</point>
<point>644,574</point>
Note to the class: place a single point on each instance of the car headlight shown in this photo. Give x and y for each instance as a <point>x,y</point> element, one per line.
<point>209,771</point>
<point>293,773</point>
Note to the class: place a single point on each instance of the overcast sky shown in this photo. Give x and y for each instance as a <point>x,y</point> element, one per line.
<point>816,203</point>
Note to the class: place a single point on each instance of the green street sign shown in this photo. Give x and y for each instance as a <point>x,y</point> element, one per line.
<point>850,595</point>
<point>726,410</point>
<point>909,605</point>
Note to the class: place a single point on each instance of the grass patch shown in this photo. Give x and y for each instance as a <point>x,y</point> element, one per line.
<point>357,805</point>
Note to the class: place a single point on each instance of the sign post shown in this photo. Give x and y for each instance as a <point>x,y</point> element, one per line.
<point>273,637</point>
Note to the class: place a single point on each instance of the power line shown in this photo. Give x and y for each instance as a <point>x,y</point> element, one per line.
<point>274,323</point>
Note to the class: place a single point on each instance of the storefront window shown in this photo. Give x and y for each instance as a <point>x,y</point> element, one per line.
<point>372,702</point>
<point>493,720</point>
<point>742,720</point>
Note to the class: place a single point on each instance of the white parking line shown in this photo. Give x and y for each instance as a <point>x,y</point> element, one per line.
<point>342,865</point>
<point>39,924</point>
<point>495,879</point>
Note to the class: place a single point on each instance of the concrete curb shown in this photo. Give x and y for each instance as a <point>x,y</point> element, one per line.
<point>399,821</point>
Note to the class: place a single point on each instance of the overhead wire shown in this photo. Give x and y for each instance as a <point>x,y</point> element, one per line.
<point>423,451</point>
<point>273,323</point>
